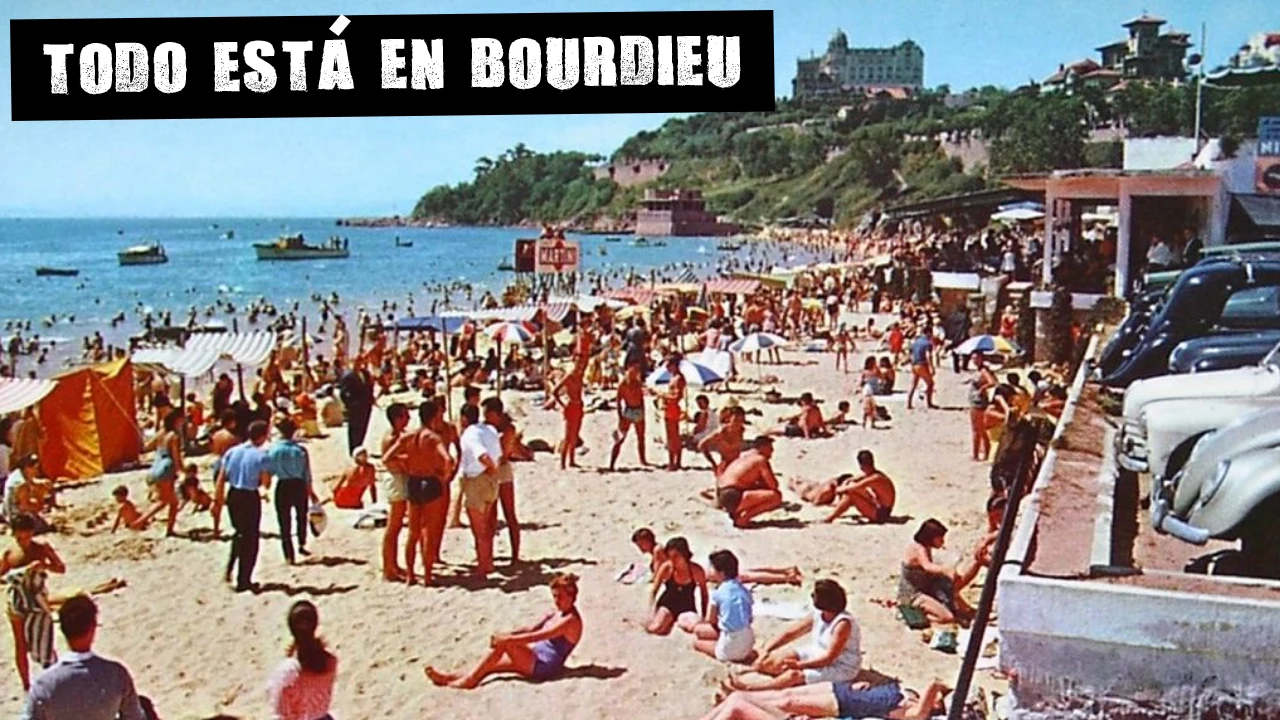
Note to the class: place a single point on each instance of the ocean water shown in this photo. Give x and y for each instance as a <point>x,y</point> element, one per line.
<point>203,267</point>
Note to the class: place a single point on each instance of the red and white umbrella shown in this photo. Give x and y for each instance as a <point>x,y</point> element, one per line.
<point>511,331</point>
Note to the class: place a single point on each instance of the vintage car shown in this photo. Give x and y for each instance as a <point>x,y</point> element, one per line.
<point>1229,489</point>
<point>1165,416</point>
<point>1120,345</point>
<point>1222,352</point>
<point>1241,294</point>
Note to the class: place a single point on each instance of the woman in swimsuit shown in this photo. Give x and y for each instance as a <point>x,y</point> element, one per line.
<point>672,412</point>
<point>678,577</point>
<point>164,472</point>
<point>630,413</point>
<point>571,386</point>
<point>933,588</point>
<point>840,344</point>
<point>24,567</point>
<point>537,652</point>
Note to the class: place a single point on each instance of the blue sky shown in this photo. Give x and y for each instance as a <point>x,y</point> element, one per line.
<point>343,166</point>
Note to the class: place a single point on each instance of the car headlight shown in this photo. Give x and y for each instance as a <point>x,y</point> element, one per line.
<point>1212,486</point>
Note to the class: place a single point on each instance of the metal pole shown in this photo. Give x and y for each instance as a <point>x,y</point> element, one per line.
<point>1199,90</point>
<point>1025,432</point>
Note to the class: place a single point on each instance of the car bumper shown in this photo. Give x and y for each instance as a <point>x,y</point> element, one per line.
<point>1131,450</point>
<point>1165,522</point>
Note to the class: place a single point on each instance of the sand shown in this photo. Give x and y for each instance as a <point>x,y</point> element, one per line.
<point>200,651</point>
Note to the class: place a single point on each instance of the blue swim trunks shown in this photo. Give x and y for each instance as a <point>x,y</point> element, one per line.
<point>874,702</point>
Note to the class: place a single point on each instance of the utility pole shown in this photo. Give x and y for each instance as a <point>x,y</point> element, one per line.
<point>1199,90</point>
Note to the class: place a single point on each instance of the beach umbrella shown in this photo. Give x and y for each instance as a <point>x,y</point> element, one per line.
<point>985,344</point>
<point>758,341</point>
<point>694,373</point>
<point>511,331</point>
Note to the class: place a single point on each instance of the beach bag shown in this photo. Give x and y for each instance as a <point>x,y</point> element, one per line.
<point>913,616</point>
<point>317,519</point>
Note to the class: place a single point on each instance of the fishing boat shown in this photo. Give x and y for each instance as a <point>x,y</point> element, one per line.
<point>640,242</point>
<point>295,247</point>
<point>613,239</point>
<point>56,272</point>
<point>151,253</point>
<point>229,235</point>
<point>729,245</point>
<point>403,243</point>
<point>506,265</point>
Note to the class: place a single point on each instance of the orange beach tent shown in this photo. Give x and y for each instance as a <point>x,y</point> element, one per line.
<point>90,424</point>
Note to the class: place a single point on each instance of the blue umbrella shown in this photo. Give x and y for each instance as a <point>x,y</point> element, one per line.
<point>758,341</point>
<point>694,374</point>
<point>985,344</point>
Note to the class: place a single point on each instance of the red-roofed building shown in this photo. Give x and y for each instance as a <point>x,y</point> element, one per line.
<point>1147,53</point>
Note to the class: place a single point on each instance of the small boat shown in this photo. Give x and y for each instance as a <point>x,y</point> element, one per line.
<point>229,235</point>
<point>640,242</point>
<point>403,243</point>
<point>604,250</point>
<point>729,245</point>
<point>295,247</point>
<point>151,253</point>
<point>56,272</point>
<point>506,265</point>
<point>613,239</point>
<point>659,243</point>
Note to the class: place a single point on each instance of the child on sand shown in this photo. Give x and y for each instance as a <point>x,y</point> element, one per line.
<point>726,633</point>
<point>349,492</point>
<point>537,652</point>
<point>127,514</point>
<point>868,406</point>
<point>190,490</point>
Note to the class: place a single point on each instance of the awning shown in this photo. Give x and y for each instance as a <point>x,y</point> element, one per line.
<point>1263,211</point>
<point>733,286</point>
<point>679,287</point>
<point>555,312</point>
<point>642,296</point>
<point>20,393</point>
<point>203,351</point>
<point>430,322</point>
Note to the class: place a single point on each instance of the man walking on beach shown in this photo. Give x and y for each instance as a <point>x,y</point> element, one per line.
<point>921,367</point>
<point>356,391</point>
<point>81,685</point>
<point>289,463</point>
<point>244,468</point>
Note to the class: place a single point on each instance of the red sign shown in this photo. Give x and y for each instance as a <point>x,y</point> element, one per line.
<point>557,256</point>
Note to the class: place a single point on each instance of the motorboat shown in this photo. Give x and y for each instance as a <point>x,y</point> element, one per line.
<point>640,242</point>
<point>295,247</point>
<point>729,245</point>
<point>229,235</point>
<point>506,265</point>
<point>151,253</point>
<point>56,272</point>
<point>659,243</point>
<point>403,243</point>
<point>613,239</point>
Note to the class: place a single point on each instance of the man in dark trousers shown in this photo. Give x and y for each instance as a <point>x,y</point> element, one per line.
<point>356,391</point>
<point>957,327</point>
<point>244,469</point>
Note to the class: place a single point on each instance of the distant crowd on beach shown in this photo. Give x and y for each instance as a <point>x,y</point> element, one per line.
<point>439,460</point>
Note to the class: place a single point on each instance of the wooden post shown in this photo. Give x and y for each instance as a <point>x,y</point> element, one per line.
<point>240,379</point>
<point>306,355</point>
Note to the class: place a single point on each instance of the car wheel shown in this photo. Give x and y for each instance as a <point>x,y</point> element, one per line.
<point>1260,540</point>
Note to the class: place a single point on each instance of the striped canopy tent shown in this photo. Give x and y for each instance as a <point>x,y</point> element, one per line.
<point>733,286</point>
<point>20,393</point>
<point>203,351</point>
<point>680,288</point>
<point>642,296</point>
<point>554,311</point>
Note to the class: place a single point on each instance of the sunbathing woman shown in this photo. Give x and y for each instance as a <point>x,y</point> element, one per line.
<point>833,700</point>
<point>537,652</point>
<point>834,653</point>
<point>933,588</point>
<point>678,576</point>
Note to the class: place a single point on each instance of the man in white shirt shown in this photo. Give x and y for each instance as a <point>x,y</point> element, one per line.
<point>1159,255</point>
<point>481,452</point>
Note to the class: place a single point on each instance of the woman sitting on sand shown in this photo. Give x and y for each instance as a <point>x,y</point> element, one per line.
<point>537,652</point>
<point>834,653</point>
<point>679,577</point>
<point>302,686</point>
<point>933,588</point>
<point>834,700</point>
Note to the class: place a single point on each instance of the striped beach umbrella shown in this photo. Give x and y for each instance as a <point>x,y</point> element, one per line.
<point>694,373</point>
<point>758,341</point>
<point>511,331</point>
<point>986,344</point>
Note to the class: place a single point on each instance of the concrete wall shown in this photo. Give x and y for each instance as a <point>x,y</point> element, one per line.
<point>632,172</point>
<point>1158,153</point>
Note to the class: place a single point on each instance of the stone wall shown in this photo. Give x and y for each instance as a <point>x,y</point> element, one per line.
<point>630,172</point>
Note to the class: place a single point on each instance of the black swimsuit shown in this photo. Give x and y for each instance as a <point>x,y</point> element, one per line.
<point>678,598</point>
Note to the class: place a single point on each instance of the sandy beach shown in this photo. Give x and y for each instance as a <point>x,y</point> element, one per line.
<point>200,651</point>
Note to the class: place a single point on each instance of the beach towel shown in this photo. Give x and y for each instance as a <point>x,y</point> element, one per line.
<point>782,610</point>
<point>29,601</point>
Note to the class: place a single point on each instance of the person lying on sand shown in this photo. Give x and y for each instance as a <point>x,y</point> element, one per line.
<point>748,486</point>
<point>537,652</point>
<point>841,418</point>
<point>834,700</point>
<point>807,423</point>
<point>127,513</point>
<point>646,542</point>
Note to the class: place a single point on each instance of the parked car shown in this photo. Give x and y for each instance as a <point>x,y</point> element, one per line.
<point>1222,352</point>
<point>1229,489</point>
<point>1212,297</point>
<point>1121,343</point>
<point>1165,416</point>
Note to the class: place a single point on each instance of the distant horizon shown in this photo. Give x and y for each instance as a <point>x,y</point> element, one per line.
<point>381,166</point>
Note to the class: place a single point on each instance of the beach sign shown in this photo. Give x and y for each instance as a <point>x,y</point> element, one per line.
<point>1267,176</point>
<point>557,255</point>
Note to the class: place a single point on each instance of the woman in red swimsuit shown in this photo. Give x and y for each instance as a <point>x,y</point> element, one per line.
<point>571,387</point>
<point>672,412</point>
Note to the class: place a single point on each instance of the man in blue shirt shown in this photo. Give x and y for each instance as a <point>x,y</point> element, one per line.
<point>727,635</point>
<point>922,365</point>
<point>244,468</point>
<point>81,685</point>
<point>289,463</point>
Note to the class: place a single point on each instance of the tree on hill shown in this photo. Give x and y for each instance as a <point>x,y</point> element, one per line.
<point>1036,134</point>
